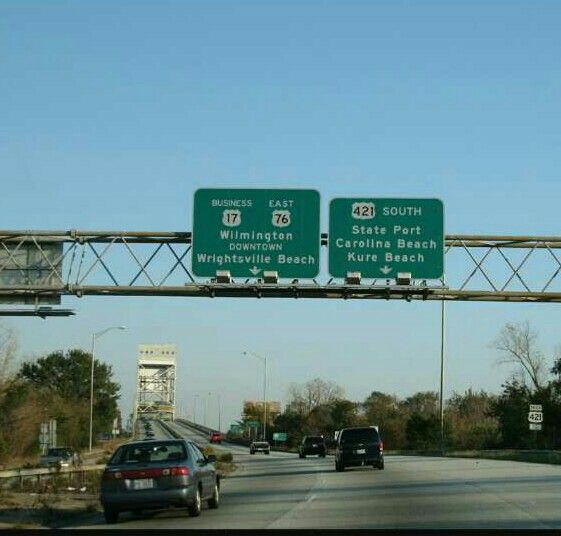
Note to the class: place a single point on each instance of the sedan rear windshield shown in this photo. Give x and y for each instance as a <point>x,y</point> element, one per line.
<point>261,444</point>
<point>152,452</point>
<point>315,439</point>
<point>360,435</point>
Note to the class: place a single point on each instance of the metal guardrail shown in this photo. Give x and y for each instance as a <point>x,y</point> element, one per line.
<point>169,429</point>
<point>199,427</point>
<point>41,473</point>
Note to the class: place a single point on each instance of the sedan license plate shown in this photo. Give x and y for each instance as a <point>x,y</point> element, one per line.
<point>361,451</point>
<point>143,483</point>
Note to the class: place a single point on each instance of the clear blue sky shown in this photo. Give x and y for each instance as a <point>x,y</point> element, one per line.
<point>113,113</point>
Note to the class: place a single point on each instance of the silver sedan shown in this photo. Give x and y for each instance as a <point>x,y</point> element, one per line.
<point>146,475</point>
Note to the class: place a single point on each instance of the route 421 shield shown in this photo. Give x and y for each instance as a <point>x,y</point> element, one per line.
<point>535,417</point>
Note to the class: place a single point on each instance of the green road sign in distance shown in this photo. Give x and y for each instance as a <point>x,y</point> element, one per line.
<point>252,424</point>
<point>248,231</point>
<point>381,237</point>
<point>280,436</point>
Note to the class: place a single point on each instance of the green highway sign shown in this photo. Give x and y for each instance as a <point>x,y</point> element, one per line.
<point>381,237</point>
<point>236,429</point>
<point>249,231</point>
<point>280,436</point>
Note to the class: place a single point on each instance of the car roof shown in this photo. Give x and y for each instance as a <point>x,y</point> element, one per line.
<point>359,428</point>
<point>151,439</point>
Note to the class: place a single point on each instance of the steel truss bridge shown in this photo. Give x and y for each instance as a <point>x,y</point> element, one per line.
<point>109,263</point>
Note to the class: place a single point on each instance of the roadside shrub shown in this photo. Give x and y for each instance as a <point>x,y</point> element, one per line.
<point>208,450</point>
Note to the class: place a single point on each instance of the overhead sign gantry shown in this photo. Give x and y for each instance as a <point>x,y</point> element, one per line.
<point>282,227</point>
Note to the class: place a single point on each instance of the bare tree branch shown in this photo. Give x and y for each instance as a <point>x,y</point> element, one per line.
<point>517,344</point>
<point>304,398</point>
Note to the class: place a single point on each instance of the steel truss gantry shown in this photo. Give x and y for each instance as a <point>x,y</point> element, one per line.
<point>115,263</point>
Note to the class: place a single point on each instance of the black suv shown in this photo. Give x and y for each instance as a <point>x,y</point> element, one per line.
<point>359,446</point>
<point>312,445</point>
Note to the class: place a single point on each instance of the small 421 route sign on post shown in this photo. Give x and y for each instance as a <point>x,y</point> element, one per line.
<point>535,416</point>
<point>249,231</point>
<point>381,237</point>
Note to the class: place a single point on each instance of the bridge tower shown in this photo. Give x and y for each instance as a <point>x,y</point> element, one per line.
<point>155,381</point>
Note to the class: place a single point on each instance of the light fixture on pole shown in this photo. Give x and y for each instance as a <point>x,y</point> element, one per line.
<point>353,278</point>
<point>270,277</point>
<point>264,359</point>
<point>96,336</point>
<point>223,276</point>
<point>403,278</point>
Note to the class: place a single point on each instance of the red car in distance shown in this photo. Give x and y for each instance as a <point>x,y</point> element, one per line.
<point>216,437</point>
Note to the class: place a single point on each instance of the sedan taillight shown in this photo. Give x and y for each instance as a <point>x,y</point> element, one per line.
<point>109,476</point>
<point>381,445</point>
<point>176,471</point>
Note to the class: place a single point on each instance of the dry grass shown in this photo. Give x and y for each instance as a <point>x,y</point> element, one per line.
<point>45,509</point>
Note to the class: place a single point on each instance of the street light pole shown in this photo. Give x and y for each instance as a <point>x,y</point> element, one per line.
<point>205,399</point>
<point>95,336</point>
<point>91,390</point>
<point>264,359</point>
<point>219,412</point>
<point>195,398</point>
<point>209,402</point>
<point>442,357</point>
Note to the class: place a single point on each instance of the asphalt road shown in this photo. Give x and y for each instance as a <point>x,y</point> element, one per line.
<point>282,491</point>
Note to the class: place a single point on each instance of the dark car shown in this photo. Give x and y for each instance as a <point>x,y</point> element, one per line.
<point>359,446</point>
<point>312,445</point>
<point>260,446</point>
<point>144,475</point>
<point>60,457</point>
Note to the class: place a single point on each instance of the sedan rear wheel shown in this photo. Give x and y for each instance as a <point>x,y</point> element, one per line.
<point>195,508</point>
<point>214,501</point>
